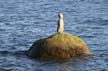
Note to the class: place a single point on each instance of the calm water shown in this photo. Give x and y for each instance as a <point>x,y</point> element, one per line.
<point>24,21</point>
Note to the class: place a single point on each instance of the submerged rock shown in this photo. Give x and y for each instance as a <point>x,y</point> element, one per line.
<point>58,46</point>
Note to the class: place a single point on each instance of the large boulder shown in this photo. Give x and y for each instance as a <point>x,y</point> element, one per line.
<point>58,46</point>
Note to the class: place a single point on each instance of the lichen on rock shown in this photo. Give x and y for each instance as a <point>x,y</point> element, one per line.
<point>59,46</point>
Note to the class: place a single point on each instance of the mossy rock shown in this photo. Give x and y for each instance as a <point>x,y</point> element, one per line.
<point>58,46</point>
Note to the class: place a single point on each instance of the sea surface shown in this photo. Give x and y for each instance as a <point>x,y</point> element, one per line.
<point>24,21</point>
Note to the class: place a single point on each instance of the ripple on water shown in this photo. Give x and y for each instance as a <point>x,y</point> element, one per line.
<point>24,21</point>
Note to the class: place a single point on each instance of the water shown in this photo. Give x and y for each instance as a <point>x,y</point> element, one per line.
<point>24,21</point>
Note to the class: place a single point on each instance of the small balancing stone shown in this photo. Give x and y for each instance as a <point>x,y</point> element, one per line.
<point>59,46</point>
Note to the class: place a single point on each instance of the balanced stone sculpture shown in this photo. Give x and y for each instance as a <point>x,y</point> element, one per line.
<point>59,46</point>
<point>60,27</point>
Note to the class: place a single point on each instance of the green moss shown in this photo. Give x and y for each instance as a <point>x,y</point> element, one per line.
<point>66,39</point>
<point>59,46</point>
